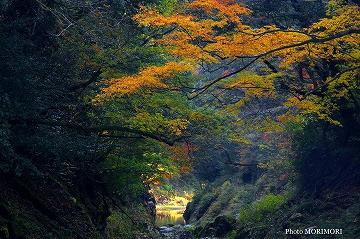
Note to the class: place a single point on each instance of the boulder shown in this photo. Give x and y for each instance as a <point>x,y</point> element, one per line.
<point>219,227</point>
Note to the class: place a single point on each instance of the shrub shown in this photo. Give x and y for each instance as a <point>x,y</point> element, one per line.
<point>267,204</point>
<point>120,226</point>
<point>231,235</point>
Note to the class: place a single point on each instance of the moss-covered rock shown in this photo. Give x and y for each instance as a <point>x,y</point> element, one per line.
<point>220,227</point>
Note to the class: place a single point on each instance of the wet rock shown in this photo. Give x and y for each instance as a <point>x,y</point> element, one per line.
<point>188,226</point>
<point>186,235</point>
<point>178,227</point>
<point>150,203</point>
<point>167,230</point>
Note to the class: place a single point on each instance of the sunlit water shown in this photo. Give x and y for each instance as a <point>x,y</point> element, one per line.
<point>166,215</point>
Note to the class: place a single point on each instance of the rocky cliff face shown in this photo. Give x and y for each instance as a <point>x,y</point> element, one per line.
<point>266,208</point>
<point>44,208</point>
<point>216,210</point>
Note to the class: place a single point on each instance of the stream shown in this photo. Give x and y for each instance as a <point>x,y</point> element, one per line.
<point>171,223</point>
<point>170,215</point>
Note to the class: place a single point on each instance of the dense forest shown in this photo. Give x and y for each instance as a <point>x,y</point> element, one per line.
<point>246,112</point>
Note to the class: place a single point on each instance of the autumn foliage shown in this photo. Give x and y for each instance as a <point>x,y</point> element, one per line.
<point>208,32</point>
<point>199,36</point>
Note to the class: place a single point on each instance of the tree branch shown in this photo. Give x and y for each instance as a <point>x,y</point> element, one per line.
<point>328,82</point>
<point>202,89</point>
<point>254,58</point>
<point>99,129</point>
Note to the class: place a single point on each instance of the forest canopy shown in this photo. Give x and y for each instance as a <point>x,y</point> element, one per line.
<point>104,102</point>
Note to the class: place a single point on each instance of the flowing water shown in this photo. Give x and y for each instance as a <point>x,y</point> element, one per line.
<point>169,219</point>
